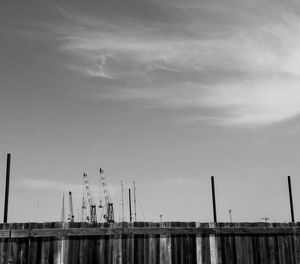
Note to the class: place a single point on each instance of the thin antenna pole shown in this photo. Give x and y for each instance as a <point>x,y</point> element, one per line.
<point>38,211</point>
<point>7,188</point>
<point>134,201</point>
<point>130,215</point>
<point>63,209</point>
<point>213,198</point>
<point>100,202</point>
<point>122,202</point>
<point>291,199</point>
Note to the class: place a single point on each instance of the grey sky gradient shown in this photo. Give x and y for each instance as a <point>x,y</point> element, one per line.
<point>164,93</point>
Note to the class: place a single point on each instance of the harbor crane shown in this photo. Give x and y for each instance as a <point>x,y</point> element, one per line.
<point>83,208</point>
<point>93,213</point>
<point>108,205</point>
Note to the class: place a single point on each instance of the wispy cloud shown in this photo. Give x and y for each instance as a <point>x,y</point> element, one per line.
<point>48,185</point>
<point>256,102</point>
<point>244,67</point>
<point>182,181</point>
<point>44,184</point>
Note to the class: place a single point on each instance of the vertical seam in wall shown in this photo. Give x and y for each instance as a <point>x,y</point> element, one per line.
<point>213,245</point>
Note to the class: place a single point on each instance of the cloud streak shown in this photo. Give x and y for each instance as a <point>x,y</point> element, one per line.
<point>36,184</point>
<point>245,69</point>
<point>257,102</point>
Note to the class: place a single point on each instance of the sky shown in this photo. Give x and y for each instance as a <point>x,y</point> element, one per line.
<point>163,93</point>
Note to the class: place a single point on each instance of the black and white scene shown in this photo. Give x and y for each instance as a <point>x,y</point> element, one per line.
<point>149,132</point>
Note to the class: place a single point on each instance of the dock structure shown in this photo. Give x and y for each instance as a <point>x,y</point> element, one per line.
<point>151,243</point>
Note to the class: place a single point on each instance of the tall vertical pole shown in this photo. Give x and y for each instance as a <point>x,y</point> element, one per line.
<point>100,201</point>
<point>62,219</point>
<point>130,215</point>
<point>291,199</point>
<point>122,193</point>
<point>134,201</point>
<point>7,188</point>
<point>38,211</point>
<point>213,198</point>
<point>71,210</point>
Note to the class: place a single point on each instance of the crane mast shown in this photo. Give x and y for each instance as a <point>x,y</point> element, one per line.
<point>108,205</point>
<point>83,209</point>
<point>93,214</point>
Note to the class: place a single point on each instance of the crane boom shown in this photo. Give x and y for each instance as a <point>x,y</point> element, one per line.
<point>108,205</point>
<point>93,214</point>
